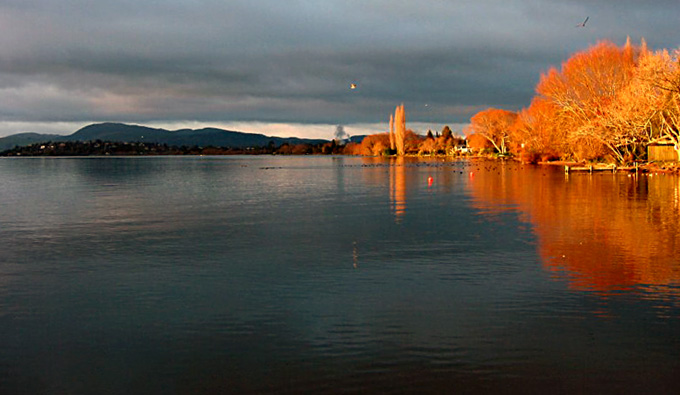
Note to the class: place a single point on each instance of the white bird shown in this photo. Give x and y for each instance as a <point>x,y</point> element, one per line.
<point>583,24</point>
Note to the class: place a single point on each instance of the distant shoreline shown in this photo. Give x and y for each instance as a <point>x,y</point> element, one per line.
<point>120,150</point>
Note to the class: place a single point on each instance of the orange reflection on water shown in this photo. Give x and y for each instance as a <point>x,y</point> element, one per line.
<point>603,232</point>
<point>398,188</point>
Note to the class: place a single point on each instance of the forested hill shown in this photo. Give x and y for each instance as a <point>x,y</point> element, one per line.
<point>134,133</point>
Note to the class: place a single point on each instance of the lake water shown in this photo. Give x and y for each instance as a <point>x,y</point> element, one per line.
<point>270,274</point>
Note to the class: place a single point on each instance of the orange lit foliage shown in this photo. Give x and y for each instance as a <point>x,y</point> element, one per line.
<point>664,70</point>
<point>536,136</point>
<point>446,142</point>
<point>402,140</point>
<point>442,144</point>
<point>636,116</point>
<point>412,142</point>
<point>301,149</point>
<point>583,90</point>
<point>406,141</point>
<point>477,142</point>
<point>628,234</point>
<point>399,129</point>
<point>604,102</point>
<point>352,149</point>
<point>297,149</point>
<point>494,125</point>
<point>379,144</point>
<point>375,144</point>
<point>589,80</point>
<point>393,146</point>
<point>428,146</point>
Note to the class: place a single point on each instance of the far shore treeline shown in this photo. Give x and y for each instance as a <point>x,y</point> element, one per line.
<point>104,148</point>
<point>607,103</point>
<point>121,139</point>
<point>443,143</point>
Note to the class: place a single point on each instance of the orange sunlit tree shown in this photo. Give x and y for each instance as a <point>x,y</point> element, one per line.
<point>400,129</point>
<point>494,125</point>
<point>477,143</point>
<point>584,89</point>
<point>662,71</point>
<point>536,135</point>
<point>607,102</point>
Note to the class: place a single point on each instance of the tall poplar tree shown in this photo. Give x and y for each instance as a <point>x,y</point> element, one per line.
<point>392,142</point>
<point>400,128</point>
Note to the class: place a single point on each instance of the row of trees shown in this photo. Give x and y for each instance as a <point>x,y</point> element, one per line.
<point>400,141</point>
<point>607,102</point>
<point>413,144</point>
<point>372,145</point>
<point>99,147</point>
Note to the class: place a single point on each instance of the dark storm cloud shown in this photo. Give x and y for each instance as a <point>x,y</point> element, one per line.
<point>293,61</point>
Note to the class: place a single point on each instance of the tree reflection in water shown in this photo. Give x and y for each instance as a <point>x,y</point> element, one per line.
<point>398,188</point>
<point>603,232</point>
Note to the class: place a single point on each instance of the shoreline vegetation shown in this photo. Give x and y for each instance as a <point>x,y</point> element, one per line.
<point>608,103</point>
<point>117,149</point>
<point>602,110</point>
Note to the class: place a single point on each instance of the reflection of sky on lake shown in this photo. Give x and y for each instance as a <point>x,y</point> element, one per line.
<point>318,273</point>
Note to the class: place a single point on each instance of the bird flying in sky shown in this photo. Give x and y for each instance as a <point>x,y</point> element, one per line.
<point>352,86</point>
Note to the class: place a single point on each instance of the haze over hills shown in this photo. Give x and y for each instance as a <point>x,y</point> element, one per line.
<point>119,132</point>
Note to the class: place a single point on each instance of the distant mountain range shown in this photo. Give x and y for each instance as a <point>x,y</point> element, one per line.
<point>120,132</point>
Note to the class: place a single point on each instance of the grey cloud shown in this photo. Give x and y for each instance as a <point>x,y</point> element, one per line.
<point>275,61</point>
<point>319,81</point>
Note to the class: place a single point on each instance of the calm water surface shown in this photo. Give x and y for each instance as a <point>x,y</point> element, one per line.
<point>335,275</point>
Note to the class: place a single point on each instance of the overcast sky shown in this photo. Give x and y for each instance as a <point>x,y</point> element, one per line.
<point>284,67</point>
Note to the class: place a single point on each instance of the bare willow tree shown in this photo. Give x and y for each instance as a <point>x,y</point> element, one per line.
<point>636,116</point>
<point>494,125</point>
<point>664,73</point>
<point>583,91</point>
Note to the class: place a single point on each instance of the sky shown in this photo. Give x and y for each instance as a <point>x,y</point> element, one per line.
<point>284,67</point>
